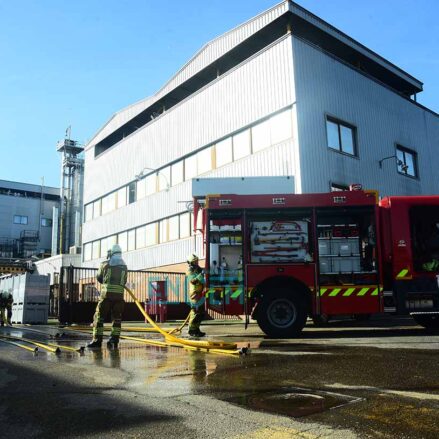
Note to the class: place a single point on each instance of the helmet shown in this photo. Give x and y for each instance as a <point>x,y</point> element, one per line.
<point>192,259</point>
<point>116,248</point>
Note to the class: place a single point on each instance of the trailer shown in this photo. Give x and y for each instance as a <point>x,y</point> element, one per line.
<point>280,257</point>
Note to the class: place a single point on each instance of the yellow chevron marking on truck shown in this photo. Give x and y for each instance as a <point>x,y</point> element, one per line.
<point>334,292</point>
<point>348,292</point>
<point>402,273</point>
<point>363,291</point>
<point>323,291</point>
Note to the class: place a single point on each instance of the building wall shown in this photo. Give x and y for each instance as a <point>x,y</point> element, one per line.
<point>249,93</point>
<point>325,86</point>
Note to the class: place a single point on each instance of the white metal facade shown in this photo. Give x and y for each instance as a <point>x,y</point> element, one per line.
<point>287,74</point>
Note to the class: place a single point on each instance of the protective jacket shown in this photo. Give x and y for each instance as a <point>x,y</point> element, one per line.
<point>6,300</point>
<point>196,283</point>
<point>113,279</point>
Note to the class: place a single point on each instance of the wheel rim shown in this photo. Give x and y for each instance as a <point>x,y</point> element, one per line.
<point>281,313</point>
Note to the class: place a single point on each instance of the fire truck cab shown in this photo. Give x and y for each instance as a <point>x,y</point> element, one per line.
<point>283,257</point>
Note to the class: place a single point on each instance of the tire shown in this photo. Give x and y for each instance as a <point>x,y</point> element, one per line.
<point>428,321</point>
<point>282,314</point>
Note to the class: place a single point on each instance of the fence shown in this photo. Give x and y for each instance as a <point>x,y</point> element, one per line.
<point>74,299</point>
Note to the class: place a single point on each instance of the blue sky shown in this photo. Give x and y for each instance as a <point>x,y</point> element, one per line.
<point>77,62</point>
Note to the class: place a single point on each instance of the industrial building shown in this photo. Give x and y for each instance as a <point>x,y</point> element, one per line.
<point>26,219</point>
<point>284,94</point>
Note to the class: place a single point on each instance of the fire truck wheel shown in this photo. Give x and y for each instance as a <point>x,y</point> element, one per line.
<point>282,314</point>
<point>429,321</point>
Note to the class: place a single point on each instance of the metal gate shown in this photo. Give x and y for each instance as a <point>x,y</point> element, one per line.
<point>79,291</point>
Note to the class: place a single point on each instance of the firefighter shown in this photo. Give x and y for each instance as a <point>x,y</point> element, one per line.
<point>112,274</point>
<point>6,301</point>
<point>196,282</point>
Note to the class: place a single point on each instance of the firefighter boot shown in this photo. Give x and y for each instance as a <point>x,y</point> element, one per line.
<point>196,333</point>
<point>113,342</point>
<point>96,343</point>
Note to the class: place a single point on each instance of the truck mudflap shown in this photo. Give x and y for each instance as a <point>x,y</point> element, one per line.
<point>427,319</point>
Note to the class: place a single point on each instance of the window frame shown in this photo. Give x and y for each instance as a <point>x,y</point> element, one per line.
<point>341,123</point>
<point>414,154</point>
<point>21,218</point>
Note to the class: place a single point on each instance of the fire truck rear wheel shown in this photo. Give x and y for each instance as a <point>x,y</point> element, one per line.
<point>282,314</point>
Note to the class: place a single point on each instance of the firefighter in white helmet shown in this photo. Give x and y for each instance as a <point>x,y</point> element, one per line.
<point>112,274</point>
<point>195,278</point>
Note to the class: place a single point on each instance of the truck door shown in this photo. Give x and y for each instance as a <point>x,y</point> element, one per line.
<point>348,268</point>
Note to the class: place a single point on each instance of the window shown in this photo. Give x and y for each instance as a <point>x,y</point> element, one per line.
<point>163,231</point>
<point>132,240</point>
<point>164,177</point>
<point>151,234</point>
<point>185,225</point>
<point>20,219</point>
<point>140,189</point>
<point>108,203</point>
<point>96,250</point>
<point>122,241</point>
<point>88,212</point>
<point>241,145</point>
<point>261,136</point>
<point>151,184</point>
<point>97,209</point>
<point>340,136</point>
<point>87,251</point>
<point>46,222</point>
<point>224,152</point>
<point>204,161</point>
<point>173,228</point>
<point>104,247</point>
<point>190,167</point>
<point>281,127</point>
<point>407,161</point>
<point>122,197</point>
<point>132,192</point>
<point>141,237</point>
<point>177,175</point>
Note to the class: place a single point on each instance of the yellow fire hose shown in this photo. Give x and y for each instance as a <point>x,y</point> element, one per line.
<point>181,341</point>
<point>34,350</point>
<point>51,347</point>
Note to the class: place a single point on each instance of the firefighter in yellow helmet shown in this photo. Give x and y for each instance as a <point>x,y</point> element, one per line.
<point>112,274</point>
<point>195,278</point>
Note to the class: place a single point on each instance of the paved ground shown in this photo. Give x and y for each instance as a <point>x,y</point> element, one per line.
<point>376,380</point>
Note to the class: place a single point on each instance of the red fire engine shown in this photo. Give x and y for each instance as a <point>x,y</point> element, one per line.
<point>286,257</point>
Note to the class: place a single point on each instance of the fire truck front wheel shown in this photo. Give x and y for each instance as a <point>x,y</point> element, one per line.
<point>282,314</point>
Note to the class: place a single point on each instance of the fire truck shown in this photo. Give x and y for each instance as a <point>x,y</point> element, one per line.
<point>280,258</point>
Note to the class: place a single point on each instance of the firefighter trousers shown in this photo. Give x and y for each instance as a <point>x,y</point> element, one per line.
<point>196,317</point>
<point>104,306</point>
<point>5,314</point>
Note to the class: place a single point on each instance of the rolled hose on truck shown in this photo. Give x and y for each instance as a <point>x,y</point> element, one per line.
<point>210,346</point>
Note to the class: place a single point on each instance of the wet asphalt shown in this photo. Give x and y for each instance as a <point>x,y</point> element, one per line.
<point>379,379</point>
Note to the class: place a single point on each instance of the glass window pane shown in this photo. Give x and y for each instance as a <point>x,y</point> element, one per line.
<point>163,231</point>
<point>177,173</point>
<point>204,161</point>
<point>281,127</point>
<point>400,155</point>
<point>347,140</point>
<point>122,197</point>
<point>104,248</point>
<point>164,177</point>
<point>190,167</point>
<point>141,237</point>
<point>140,189</point>
<point>96,250</point>
<point>111,240</point>
<point>87,251</point>
<point>241,145</point>
<point>24,220</point>
<point>151,184</point>
<point>97,209</point>
<point>132,192</point>
<point>261,136</point>
<point>108,203</point>
<point>88,212</point>
<point>122,241</point>
<point>132,240</point>
<point>151,234</point>
<point>174,224</point>
<point>410,162</point>
<point>185,227</point>
<point>223,152</point>
<point>332,135</point>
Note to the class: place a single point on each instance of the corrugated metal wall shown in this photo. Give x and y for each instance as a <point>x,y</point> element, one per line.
<point>325,86</point>
<point>253,90</point>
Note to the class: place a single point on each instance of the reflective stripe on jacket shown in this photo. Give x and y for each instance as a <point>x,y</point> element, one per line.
<point>113,278</point>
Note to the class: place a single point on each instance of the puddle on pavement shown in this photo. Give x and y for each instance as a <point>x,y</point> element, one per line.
<point>292,402</point>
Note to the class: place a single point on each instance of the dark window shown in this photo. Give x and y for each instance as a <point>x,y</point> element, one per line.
<point>20,219</point>
<point>46,222</point>
<point>132,192</point>
<point>341,136</point>
<point>339,187</point>
<point>407,161</point>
